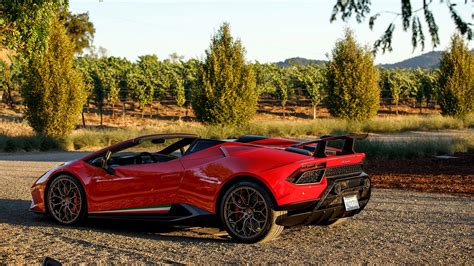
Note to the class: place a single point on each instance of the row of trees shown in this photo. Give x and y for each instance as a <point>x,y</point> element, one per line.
<point>113,80</point>
<point>349,83</point>
<point>223,88</point>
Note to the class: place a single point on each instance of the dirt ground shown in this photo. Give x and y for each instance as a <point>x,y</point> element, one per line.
<point>170,111</point>
<point>453,175</point>
<point>397,226</point>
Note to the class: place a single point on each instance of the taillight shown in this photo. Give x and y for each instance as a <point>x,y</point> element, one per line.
<point>308,174</point>
<point>308,177</point>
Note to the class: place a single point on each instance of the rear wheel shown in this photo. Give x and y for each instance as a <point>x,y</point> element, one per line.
<point>248,214</point>
<point>66,200</point>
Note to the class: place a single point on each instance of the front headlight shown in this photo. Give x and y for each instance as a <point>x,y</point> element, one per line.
<point>42,178</point>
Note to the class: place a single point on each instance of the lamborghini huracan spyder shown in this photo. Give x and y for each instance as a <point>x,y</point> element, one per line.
<point>252,186</point>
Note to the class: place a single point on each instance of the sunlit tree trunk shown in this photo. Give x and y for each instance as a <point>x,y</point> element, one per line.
<point>83,119</point>
<point>100,112</point>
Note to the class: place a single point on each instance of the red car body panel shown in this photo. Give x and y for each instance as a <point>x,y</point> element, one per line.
<point>195,179</point>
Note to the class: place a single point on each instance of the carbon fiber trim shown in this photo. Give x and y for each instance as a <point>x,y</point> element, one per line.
<point>347,170</point>
<point>330,206</point>
<point>310,177</point>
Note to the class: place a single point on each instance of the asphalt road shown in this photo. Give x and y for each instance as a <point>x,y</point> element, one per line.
<point>396,227</point>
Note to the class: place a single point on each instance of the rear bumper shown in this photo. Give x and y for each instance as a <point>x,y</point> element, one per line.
<point>330,206</point>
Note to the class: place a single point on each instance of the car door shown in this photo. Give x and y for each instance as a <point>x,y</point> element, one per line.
<point>138,188</point>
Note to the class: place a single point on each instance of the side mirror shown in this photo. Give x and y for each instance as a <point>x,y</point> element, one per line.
<point>104,162</point>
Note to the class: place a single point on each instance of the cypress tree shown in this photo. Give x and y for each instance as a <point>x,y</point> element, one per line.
<point>456,80</point>
<point>225,89</point>
<point>54,92</point>
<point>352,81</point>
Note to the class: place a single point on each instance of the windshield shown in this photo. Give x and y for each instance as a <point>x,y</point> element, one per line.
<point>148,151</point>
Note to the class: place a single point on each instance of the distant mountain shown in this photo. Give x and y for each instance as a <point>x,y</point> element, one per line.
<point>300,61</point>
<point>428,60</point>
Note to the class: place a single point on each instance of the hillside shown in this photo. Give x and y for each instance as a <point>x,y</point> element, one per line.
<point>427,61</point>
<point>300,61</point>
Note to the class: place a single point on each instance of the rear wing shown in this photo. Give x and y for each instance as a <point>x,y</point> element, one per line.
<point>320,151</point>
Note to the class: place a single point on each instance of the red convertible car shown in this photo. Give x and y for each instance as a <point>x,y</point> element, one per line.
<point>252,186</point>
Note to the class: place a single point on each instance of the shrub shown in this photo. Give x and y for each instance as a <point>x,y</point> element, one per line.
<point>352,81</point>
<point>456,80</point>
<point>54,90</point>
<point>29,143</point>
<point>225,91</point>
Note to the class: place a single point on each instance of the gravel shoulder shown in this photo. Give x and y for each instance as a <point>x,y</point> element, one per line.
<point>396,227</point>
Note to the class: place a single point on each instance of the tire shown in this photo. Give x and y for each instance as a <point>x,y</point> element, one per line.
<point>247,212</point>
<point>66,200</point>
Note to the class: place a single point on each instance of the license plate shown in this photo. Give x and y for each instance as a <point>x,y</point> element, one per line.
<point>351,202</point>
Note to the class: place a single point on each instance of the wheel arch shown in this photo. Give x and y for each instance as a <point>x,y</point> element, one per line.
<point>56,175</point>
<point>238,179</point>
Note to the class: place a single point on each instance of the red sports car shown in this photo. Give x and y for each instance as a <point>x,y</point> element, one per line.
<point>252,186</point>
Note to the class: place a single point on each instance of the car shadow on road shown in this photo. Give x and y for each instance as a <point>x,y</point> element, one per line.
<point>16,212</point>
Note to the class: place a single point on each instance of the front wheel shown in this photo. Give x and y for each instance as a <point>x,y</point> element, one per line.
<point>66,200</point>
<point>248,214</point>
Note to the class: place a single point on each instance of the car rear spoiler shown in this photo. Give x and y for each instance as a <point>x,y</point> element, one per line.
<point>347,148</point>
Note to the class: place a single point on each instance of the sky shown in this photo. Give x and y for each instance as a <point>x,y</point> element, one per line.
<point>270,30</point>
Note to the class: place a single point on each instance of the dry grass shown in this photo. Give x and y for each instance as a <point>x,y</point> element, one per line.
<point>13,129</point>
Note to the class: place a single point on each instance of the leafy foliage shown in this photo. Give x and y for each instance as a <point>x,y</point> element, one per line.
<point>11,78</point>
<point>361,9</point>
<point>80,30</point>
<point>53,91</point>
<point>178,75</point>
<point>190,73</point>
<point>398,83</point>
<point>225,91</point>
<point>264,76</point>
<point>352,81</point>
<point>312,80</point>
<point>25,24</point>
<point>416,84</point>
<point>143,80</point>
<point>280,80</point>
<point>456,79</point>
<point>428,84</point>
